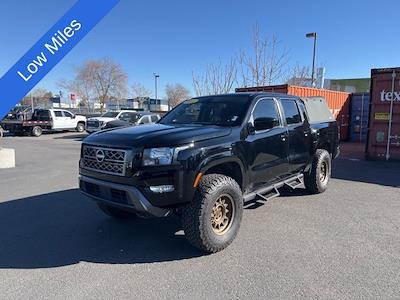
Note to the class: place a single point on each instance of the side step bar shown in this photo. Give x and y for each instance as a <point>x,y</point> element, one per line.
<point>297,182</point>
<point>269,192</point>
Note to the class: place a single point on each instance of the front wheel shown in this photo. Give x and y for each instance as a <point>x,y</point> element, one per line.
<point>316,180</point>
<point>212,220</point>
<point>80,127</point>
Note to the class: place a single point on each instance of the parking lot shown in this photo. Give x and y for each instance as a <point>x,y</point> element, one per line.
<point>56,244</point>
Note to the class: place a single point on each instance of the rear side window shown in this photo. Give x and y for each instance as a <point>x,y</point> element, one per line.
<point>266,108</point>
<point>58,113</point>
<point>154,118</point>
<point>291,111</point>
<point>302,108</point>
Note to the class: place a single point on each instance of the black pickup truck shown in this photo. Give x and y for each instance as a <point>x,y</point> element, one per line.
<point>208,157</point>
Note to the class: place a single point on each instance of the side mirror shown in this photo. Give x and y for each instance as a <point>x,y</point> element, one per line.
<point>250,129</point>
<point>73,116</point>
<point>265,123</point>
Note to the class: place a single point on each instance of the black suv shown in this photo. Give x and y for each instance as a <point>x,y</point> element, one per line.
<point>209,156</point>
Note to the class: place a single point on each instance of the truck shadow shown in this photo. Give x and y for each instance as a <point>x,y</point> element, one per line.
<point>78,137</point>
<point>64,228</point>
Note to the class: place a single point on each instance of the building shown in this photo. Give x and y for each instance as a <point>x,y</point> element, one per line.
<point>351,85</point>
<point>139,103</point>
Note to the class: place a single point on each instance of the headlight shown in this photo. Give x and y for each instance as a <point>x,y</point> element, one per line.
<point>102,124</point>
<point>157,156</point>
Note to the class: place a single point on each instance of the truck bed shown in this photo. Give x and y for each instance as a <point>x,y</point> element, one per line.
<point>19,126</point>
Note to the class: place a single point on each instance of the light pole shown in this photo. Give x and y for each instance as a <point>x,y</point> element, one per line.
<point>313,35</point>
<point>156,76</point>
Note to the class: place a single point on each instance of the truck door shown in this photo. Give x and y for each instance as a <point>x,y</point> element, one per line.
<point>299,133</point>
<point>69,120</point>
<point>266,149</point>
<point>58,119</point>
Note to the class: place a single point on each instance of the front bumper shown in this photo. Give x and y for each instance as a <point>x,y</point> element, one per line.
<point>92,129</point>
<point>120,195</point>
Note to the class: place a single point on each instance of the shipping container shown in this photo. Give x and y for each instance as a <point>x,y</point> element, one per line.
<point>383,140</point>
<point>359,114</point>
<point>338,102</point>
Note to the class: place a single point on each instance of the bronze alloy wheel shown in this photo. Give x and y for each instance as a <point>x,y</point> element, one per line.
<point>222,214</point>
<point>323,172</point>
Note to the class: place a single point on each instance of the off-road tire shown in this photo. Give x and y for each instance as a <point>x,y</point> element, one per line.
<point>196,216</point>
<point>314,180</point>
<point>80,127</point>
<point>115,212</point>
<point>36,131</point>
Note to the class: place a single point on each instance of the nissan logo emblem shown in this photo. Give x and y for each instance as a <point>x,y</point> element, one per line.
<point>100,155</point>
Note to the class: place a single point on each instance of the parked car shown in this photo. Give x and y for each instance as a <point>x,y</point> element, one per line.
<point>46,120</point>
<point>99,123</point>
<point>133,120</point>
<point>207,157</point>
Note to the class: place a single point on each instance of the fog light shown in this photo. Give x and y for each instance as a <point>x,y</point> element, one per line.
<point>162,189</point>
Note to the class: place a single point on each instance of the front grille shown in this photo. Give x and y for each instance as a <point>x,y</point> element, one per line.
<point>104,160</point>
<point>93,123</point>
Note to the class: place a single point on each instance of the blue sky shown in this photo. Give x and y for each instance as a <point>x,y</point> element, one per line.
<point>176,37</point>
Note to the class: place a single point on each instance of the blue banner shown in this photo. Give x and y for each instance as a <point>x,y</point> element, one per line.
<point>49,50</point>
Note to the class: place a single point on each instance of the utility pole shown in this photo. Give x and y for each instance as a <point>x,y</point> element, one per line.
<point>313,35</point>
<point>32,106</point>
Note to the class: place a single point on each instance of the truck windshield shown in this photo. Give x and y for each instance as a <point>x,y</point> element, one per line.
<point>213,110</point>
<point>110,114</point>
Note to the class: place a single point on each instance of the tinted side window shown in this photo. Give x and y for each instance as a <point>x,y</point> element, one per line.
<point>145,120</point>
<point>291,111</point>
<point>58,113</point>
<point>67,114</point>
<point>154,118</point>
<point>266,108</point>
<point>125,117</point>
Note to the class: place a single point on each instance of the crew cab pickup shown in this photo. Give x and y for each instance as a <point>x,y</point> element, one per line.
<point>208,157</point>
<point>46,120</point>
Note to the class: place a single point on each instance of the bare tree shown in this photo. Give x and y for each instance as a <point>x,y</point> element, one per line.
<point>176,93</point>
<point>139,90</point>
<point>299,75</point>
<point>81,86</point>
<point>102,79</point>
<point>217,79</point>
<point>265,63</point>
<point>141,93</point>
<point>39,96</point>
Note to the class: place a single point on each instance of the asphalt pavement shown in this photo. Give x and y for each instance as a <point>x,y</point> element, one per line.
<point>56,244</point>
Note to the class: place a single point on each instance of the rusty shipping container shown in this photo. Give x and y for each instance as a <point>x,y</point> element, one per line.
<point>385,91</point>
<point>338,102</point>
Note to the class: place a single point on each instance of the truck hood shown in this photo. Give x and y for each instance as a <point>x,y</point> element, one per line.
<point>156,135</point>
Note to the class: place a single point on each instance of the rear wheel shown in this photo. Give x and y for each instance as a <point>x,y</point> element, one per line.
<point>316,180</point>
<point>37,131</point>
<point>115,212</point>
<point>212,220</point>
<point>80,127</point>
